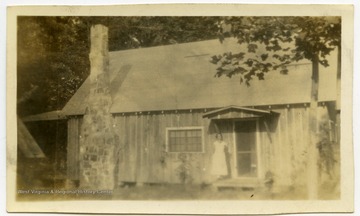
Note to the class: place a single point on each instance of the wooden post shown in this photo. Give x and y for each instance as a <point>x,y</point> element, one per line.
<point>312,167</point>
<point>338,91</point>
<point>73,149</point>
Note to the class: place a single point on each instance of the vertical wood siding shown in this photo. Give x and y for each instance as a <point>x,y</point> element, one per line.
<point>286,155</point>
<point>142,143</point>
<point>73,148</point>
<point>144,159</point>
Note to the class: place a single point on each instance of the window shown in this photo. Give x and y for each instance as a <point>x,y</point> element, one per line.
<point>184,139</point>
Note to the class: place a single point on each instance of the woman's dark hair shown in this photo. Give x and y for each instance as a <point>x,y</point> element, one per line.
<point>218,135</point>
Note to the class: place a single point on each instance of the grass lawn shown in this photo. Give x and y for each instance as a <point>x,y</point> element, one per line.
<point>160,192</point>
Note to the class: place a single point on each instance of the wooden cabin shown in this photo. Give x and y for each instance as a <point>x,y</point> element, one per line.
<point>164,107</point>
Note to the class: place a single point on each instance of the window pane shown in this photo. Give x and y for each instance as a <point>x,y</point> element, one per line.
<point>198,133</point>
<point>172,133</point>
<point>172,140</point>
<point>182,147</point>
<point>182,133</point>
<point>171,147</point>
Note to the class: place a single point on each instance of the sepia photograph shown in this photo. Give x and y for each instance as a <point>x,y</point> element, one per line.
<point>163,107</point>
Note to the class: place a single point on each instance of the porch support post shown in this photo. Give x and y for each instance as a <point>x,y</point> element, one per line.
<point>267,130</point>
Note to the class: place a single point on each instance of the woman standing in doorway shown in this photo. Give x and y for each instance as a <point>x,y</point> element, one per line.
<point>218,162</point>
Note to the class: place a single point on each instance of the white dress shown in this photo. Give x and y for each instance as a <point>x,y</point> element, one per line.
<point>218,162</point>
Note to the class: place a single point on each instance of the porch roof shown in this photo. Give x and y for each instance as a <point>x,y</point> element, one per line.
<point>47,116</point>
<point>237,112</point>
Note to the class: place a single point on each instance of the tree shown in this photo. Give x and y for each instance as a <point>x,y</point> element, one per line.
<point>51,55</point>
<point>281,41</point>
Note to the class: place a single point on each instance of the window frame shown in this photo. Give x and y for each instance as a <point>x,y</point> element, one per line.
<point>167,129</point>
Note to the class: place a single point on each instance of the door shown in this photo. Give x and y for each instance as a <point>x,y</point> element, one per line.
<point>246,155</point>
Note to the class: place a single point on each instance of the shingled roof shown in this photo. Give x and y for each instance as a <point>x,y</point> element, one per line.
<point>180,76</point>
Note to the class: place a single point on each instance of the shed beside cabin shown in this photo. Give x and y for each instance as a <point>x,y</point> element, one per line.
<point>27,145</point>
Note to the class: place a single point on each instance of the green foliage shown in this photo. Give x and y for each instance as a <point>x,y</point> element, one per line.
<point>134,32</point>
<point>53,56</point>
<point>274,42</point>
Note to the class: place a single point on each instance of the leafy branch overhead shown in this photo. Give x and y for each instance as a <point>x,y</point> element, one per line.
<point>272,43</point>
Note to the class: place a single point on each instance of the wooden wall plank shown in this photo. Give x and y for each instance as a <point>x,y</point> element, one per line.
<point>196,119</point>
<point>264,145</point>
<point>125,146</point>
<point>150,146</point>
<point>140,169</point>
<point>307,136</point>
<point>287,154</point>
<point>295,146</point>
<point>290,138</point>
<point>73,153</point>
<point>120,131</point>
<point>300,150</point>
<point>123,173</point>
<point>123,138</point>
<point>127,170</point>
<point>168,167</point>
<point>129,155</point>
<point>132,148</point>
<point>162,147</point>
<point>281,158</point>
<point>156,145</point>
<point>139,148</point>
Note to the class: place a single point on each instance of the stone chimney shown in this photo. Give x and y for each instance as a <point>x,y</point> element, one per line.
<point>97,145</point>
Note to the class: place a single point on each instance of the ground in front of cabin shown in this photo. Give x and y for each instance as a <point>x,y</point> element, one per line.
<point>166,192</point>
<point>36,181</point>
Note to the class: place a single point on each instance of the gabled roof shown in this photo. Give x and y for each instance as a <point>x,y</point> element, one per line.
<point>180,76</point>
<point>235,112</point>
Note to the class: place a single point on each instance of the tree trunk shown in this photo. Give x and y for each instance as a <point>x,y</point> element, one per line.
<point>313,131</point>
<point>338,91</point>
